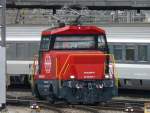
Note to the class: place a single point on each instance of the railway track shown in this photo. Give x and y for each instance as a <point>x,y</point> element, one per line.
<point>123,105</point>
<point>115,105</point>
<point>53,107</point>
<point>27,103</point>
<point>120,108</point>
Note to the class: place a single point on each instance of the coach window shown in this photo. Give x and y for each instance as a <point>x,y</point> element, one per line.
<point>21,51</point>
<point>117,49</point>
<point>110,48</point>
<point>142,53</point>
<point>130,53</point>
<point>11,51</point>
<point>33,50</point>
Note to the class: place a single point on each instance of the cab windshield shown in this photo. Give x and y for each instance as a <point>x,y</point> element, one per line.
<point>79,42</point>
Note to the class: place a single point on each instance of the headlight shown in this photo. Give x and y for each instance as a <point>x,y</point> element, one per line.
<point>37,107</point>
<point>31,107</point>
<point>126,109</point>
<point>107,76</point>
<point>72,77</point>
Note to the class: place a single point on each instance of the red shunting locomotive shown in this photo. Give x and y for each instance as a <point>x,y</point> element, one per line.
<point>73,65</point>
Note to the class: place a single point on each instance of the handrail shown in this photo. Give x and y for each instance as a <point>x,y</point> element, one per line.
<point>116,74</point>
<point>35,58</point>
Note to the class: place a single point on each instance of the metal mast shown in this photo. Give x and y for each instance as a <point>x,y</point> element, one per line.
<point>3,23</point>
<point>3,54</point>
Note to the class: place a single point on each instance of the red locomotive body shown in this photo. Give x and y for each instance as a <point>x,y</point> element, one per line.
<point>73,65</point>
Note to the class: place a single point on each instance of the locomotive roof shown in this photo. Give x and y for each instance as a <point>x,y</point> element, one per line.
<point>68,30</point>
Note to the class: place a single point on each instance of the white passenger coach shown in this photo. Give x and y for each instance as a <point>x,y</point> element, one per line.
<point>131,48</point>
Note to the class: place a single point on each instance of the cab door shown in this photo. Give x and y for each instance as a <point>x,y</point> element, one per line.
<point>44,59</point>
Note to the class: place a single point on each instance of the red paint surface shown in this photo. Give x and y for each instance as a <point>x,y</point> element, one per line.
<point>62,64</point>
<point>81,64</point>
<point>68,30</point>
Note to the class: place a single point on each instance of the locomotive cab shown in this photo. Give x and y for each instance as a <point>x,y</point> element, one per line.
<point>73,65</point>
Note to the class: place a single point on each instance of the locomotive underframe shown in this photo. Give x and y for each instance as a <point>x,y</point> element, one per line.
<point>75,91</point>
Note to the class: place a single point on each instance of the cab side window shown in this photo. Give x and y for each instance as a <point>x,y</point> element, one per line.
<point>101,42</point>
<point>45,44</point>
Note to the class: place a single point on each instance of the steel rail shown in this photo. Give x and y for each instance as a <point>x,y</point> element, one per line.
<point>121,105</point>
<point>119,108</point>
<point>85,108</point>
<point>52,107</point>
<point>131,102</point>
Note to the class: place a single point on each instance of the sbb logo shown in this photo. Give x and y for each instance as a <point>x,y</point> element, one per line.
<point>47,63</point>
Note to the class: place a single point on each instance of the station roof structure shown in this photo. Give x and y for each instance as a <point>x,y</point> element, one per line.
<point>91,4</point>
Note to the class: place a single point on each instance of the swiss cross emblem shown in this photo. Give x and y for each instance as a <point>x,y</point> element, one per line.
<point>47,63</point>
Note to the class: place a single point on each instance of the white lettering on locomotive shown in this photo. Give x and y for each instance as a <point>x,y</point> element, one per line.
<point>89,72</point>
<point>89,77</point>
